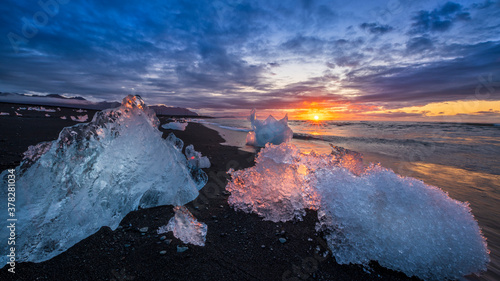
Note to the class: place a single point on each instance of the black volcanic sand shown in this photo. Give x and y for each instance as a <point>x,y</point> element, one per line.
<point>239,246</point>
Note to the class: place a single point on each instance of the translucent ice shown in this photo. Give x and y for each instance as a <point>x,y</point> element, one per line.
<point>195,158</point>
<point>268,131</point>
<point>185,227</point>
<point>93,175</point>
<point>366,213</point>
<point>80,118</point>
<point>175,126</point>
<point>41,108</point>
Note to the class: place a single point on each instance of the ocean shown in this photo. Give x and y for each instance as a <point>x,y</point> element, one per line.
<point>460,158</point>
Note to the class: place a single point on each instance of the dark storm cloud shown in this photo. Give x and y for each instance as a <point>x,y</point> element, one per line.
<point>474,75</point>
<point>375,28</point>
<point>184,51</point>
<point>419,44</point>
<point>95,48</point>
<point>309,45</point>
<point>440,19</point>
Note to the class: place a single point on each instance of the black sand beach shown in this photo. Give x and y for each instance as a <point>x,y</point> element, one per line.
<point>239,246</point>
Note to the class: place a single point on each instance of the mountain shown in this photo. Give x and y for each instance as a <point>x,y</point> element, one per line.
<point>80,102</point>
<point>170,110</point>
<point>56,100</point>
<point>62,97</point>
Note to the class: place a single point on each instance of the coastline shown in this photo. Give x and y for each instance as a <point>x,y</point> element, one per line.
<point>239,246</point>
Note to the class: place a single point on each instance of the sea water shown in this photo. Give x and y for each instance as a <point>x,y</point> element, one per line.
<point>460,158</point>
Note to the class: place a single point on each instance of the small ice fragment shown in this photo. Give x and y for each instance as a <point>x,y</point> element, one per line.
<point>175,126</point>
<point>4,113</point>
<point>195,158</point>
<point>175,141</point>
<point>185,227</point>
<point>181,249</point>
<point>81,118</point>
<point>41,108</point>
<point>268,131</point>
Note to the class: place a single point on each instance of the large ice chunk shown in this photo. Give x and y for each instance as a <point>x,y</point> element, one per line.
<point>185,227</point>
<point>268,131</point>
<point>93,175</point>
<point>367,213</point>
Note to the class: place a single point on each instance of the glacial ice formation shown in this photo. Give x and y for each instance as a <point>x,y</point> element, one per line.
<point>93,175</point>
<point>175,126</point>
<point>185,227</point>
<point>366,213</point>
<point>268,131</point>
<point>195,158</point>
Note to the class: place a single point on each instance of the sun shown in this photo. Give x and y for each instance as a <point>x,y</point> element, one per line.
<point>316,117</point>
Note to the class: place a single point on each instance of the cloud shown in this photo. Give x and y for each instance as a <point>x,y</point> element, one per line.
<point>375,28</point>
<point>307,45</point>
<point>440,19</point>
<point>232,54</point>
<point>419,44</point>
<point>443,80</point>
<point>392,115</point>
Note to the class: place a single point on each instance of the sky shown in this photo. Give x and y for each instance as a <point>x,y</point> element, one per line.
<point>343,60</point>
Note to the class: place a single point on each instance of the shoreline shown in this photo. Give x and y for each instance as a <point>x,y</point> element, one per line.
<point>239,246</point>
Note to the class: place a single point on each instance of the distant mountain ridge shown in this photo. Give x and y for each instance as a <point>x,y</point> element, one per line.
<point>167,110</point>
<point>80,102</point>
<point>62,97</point>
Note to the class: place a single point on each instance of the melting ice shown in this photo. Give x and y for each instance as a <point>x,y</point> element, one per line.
<point>175,126</point>
<point>366,213</point>
<point>195,158</point>
<point>185,227</point>
<point>93,175</point>
<point>268,131</point>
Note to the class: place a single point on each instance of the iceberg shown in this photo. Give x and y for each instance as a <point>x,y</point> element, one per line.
<point>268,131</point>
<point>185,227</point>
<point>93,175</point>
<point>366,213</point>
<point>175,126</point>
